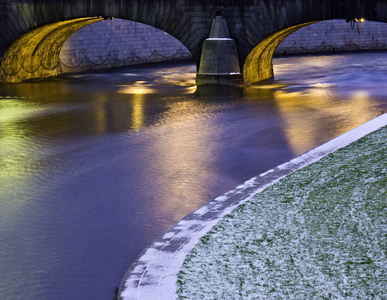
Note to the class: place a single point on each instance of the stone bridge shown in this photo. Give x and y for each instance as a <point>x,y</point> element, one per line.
<point>231,41</point>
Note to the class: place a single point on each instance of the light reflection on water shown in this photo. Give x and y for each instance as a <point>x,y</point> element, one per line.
<point>336,114</point>
<point>95,166</point>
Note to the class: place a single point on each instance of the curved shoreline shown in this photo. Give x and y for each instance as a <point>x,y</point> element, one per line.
<point>154,273</point>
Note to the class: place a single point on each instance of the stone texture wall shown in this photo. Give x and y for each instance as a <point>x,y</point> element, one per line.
<point>250,21</point>
<point>121,42</point>
<point>335,36</point>
<point>114,43</point>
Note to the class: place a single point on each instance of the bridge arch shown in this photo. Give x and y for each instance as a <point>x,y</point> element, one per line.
<point>36,53</point>
<point>258,64</point>
<point>30,27</point>
<point>270,23</point>
<point>257,26</point>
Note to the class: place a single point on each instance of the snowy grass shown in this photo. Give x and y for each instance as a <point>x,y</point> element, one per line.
<point>320,233</point>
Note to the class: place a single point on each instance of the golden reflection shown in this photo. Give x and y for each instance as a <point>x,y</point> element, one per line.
<point>179,78</point>
<point>304,113</point>
<point>138,88</point>
<point>183,147</point>
<point>360,100</point>
<point>14,142</point>
<point>190,89</point>
<point>13,111</point>
<point>16,168</point>
<point>143,87</point>
<point>138,111</point>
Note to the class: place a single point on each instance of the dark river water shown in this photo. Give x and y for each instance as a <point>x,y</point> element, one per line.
<point>94,167</point>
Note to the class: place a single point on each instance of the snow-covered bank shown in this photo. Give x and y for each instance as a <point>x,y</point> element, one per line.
<point>319,233</point>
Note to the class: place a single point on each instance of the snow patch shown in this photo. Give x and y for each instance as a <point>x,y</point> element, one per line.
<point>219,39</point>
<point>168,235</point>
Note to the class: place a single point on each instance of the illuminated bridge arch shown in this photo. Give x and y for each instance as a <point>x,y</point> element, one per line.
<point>257,26</point>
<point>36,53</point>
<point>35,31</point>
<point>275,22</point>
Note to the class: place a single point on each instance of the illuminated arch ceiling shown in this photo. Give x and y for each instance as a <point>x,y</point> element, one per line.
<point>258,64</point>
<point>36,53</point>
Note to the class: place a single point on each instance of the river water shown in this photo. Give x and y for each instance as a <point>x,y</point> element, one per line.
<point>94,167</point>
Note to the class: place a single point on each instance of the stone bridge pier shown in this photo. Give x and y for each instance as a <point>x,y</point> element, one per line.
<point>219,62</point>
<point>231,41</point>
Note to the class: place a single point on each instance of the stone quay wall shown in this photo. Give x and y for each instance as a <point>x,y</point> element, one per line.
<point>116,43</point>
<point>335,36</point>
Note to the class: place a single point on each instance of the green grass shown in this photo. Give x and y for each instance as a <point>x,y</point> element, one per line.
<point>319,233</point>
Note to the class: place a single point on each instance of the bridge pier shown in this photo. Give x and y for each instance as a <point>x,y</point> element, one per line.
<point>219,62</point>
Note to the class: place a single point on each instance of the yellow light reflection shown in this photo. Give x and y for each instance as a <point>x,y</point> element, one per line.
<point>182,159</point>
<point>177,77</point>
<point>306,112</point>
<point>138,88</point>
<point>190,89</point>
<point>138,111</point>
<point>16,166</point>
<point>360,103</point>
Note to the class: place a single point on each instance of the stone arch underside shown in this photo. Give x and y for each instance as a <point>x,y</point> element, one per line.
<point>27,22</point>
<point>36,53</point>
<point>258,64</point>
<point>271,22</point>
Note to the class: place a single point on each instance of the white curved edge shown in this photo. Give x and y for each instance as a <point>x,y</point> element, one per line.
<point>154,274</point>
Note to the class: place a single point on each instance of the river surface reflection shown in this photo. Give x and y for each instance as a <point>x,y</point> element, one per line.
<point>93,167</point>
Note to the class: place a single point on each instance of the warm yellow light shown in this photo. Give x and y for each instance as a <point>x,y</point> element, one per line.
<point>14,133</point>
<point>138,88</point>
<point>258,64</point>
<point>362,20</point>
<point>190,89</point>
<point>35,54</point>
<point>138,111</point>
<point>320,106</point>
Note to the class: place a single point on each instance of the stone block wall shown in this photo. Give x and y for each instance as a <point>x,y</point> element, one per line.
<point>335,36</point>
<point>117,42</point>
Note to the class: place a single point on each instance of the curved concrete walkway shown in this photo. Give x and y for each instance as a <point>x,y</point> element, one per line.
<point>153,275</point>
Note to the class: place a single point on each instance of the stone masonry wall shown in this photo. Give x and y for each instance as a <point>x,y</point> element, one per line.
<point>120,42</point>
<point>114,43</point>
<point>335,36</point>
